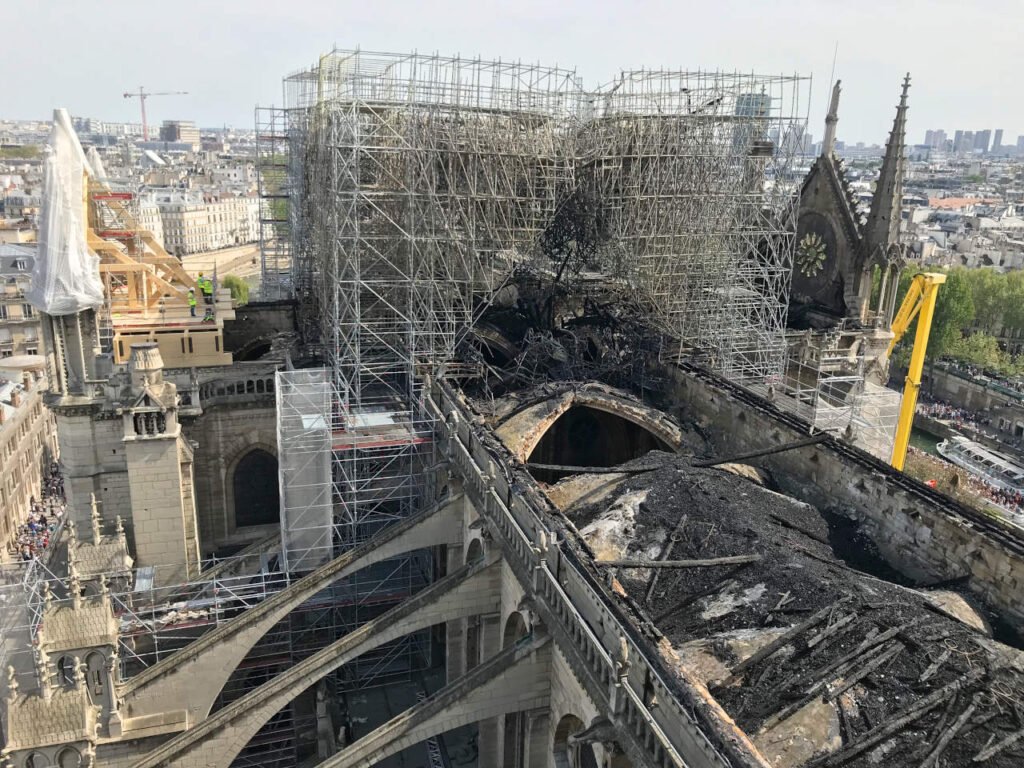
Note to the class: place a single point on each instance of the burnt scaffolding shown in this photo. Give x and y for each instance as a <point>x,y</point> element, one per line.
<point>422,181</point>
<point>426,180</point>
<point>692,209</point>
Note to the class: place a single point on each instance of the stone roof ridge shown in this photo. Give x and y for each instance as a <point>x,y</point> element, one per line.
<point>841,191</point>
<point>66,716</point>
<point>159,397</point>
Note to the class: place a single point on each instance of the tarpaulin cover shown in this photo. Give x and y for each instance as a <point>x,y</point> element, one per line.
<point>66,278</point>
<point>96,163</point>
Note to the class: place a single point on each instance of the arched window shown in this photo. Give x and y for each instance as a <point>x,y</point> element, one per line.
<point>36,760</point>
<point>95,676</point>
<point>576,755</point>
<point>66,671</point>
<point>256,490</point>
<point>515,629</point>
<point>69,758</point>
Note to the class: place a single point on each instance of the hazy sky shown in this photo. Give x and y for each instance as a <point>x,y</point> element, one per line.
<point>965,59</point>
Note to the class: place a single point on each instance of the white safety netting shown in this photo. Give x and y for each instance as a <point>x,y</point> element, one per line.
<point>66,277</point>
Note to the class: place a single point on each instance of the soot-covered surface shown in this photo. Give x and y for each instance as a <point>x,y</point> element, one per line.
<point>882,655</point>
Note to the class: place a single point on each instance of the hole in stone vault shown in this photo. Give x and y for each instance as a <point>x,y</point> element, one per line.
<point>587,437</point>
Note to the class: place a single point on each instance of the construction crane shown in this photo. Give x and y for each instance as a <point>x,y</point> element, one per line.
<point>142,96</point>
<point>919,303</point>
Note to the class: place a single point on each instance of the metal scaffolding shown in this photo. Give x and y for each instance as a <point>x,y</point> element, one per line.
<point>274,184</point>
<point>425,180</point>
<point>826,382</point>
<point>683,175</point>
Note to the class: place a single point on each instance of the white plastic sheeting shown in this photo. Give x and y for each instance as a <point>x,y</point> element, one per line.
<point>96,164</point>
<point>66,277</point>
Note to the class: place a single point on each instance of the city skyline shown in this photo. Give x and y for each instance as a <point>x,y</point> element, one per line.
<point>229,57</point>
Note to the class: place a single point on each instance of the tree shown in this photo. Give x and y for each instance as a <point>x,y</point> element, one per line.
<point>1013,310</point>
<point>239,289</point>
<point>954,311</point>
<point>982,350</point>
<point>989,292</point>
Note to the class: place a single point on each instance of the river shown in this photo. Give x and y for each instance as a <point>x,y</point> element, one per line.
<point>924,441</point>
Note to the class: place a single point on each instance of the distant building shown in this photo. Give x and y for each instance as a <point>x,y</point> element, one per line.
<point>150,219</point>
<point>997,143</point>
<point>17,231</point>
<point>193,223</point>
<point>166,147</point>
<point>958,141</point>
<point>181,131</point>
<point>28,442</point>
<point>20,329</point>
<point>982,139</point>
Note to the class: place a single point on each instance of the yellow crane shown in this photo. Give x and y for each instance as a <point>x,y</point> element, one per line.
<point>919,303</point>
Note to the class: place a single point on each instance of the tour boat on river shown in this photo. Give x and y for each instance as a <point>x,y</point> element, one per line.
<point>995,468</point>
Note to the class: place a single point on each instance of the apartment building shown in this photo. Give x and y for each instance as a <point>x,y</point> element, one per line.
<point>193,223</point>
<point>150,219</point>
<point>20,326</point>
<point>28,442</point>
<point>180,131</point>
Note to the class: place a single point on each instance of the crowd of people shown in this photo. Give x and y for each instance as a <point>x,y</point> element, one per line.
<point>961,418</point>
<point>44,516</point>
<point>983,376</point>
<point>1011,501</point>
<point>974,485</point>
<point>1007,499</point>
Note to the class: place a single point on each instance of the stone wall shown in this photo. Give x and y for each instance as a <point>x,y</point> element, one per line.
<point>256,324</point>
<point>161,508</point>
<point>1005,410</point>
<point>93,461</point>
<point>225,434</point>
<point>918,533</point>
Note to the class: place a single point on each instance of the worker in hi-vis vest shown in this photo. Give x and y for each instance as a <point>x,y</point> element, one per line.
<point>192,302</point>
<point>206,286</point>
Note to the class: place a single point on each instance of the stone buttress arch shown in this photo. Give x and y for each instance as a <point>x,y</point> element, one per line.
<point>215,655</point>
<point>219,738</point>
<point>516,679</point>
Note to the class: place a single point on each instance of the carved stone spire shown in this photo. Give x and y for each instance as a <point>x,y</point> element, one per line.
<point>828,144</point>
<point>75,588</point>
<point>42,660</point>
<point>883,226</point>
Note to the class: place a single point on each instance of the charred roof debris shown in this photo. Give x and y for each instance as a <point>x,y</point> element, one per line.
<point>782,613</point>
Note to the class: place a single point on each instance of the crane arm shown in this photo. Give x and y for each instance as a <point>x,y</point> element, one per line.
<point>919,303</point>
<point>130,95</point>
<point>907,312</point>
